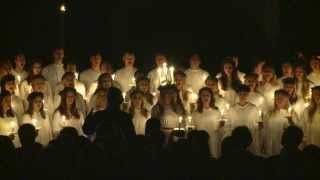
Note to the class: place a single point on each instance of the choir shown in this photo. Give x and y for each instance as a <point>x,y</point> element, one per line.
<point>56,97</point>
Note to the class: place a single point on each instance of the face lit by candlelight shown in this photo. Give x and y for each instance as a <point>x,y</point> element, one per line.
<point>37,104</point>
<point>96,60</point>
<point>267,74</point>
<point>287,69</point>
<point>243,96</point>
<point>168,98</point>
<point>58,55</point>
<point>6,103</point>
<point>128,59</point>
<point>143,86</point>
<point>281,101</point>
<point>38,85</point>
<point>290,88</point>
<point>315,64</point>
<point>71,68</point>
<point>69,81</point>
<point>316,96</point>
<point>101,100</point>
<point>70,98</point>
<point>258,67</point>
<point>213,85</point>
<point>20,61</point>
<point>299,73</point>
<point>205,97</point>
<point>195,61</point>
<point>180,81</point>
<point>106,67</point>
<point>228,69</point>
<point>105,82</point>
<point>36,68</point>
<point>251,82</point>
<point>160,60</point>
<point>10,86</point>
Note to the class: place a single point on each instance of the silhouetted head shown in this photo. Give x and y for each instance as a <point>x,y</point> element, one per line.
<point>198,141</point>
<point>6,146</point>
<point>115,98</point>
<point>27,134</point>
<point>153,124</point>
<point>68,134</point>
<point>242,137</point>
<point>227,146</point>
<point>292,137</point>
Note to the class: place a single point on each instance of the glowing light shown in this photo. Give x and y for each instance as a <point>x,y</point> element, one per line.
<point>290,109</point>
<point>180,119</point>
<point>63,8</point>
<point>189,119</point>
<point>12,125</point>
<point>227,106</point>
<point>76,75</point>
<point>113,76</point>
<point>171,69</point>
<point>306,104</point>
<point>19,79</point>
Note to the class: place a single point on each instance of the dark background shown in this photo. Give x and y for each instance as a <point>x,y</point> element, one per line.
<point>272,29</point>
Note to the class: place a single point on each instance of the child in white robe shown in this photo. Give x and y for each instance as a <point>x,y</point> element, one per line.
<point>90,75</point>
<point>185,93</point>
<point>67,114</point>
<point>254,97</point>
<point>314,76</point>
<point>195,76</point>
<point>276,121</point>
<point>160,75</point>
<point>8,121</point>
<point>125,76</point>
<point>246,114</point>
<point>19,73</point>
<point>287,72</point>
<point>78,85</point>
<point>304,85</point>
<point>207,117</point>
<point>140,114</point>
<point>36,116</point>
<point>311,119</point>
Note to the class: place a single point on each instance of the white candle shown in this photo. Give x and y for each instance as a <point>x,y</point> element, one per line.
<point>260,113</point>
<point>222,112</point>
<point>13,126</point>
<point>165,72</point>
<point>76,75</point>
<point>171,74</point>
<point>133,82</point>
<point>18,78</point>
<point>261,100</point>
<point>189,119</point>
<point>180,121</point>
<point>63,120</point>
<point>227,106</point>
<point>195,97</point>
<point>113,76</point>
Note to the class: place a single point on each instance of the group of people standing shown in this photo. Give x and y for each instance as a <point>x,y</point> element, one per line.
<point>55,97</point>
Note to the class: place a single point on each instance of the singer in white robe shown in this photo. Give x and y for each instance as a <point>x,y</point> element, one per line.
<point>53,73</point>
<point>139,121</point>
<point>42,125</point>
<point>79,86</point>
<point>9,127</point>
<point>91,75</point>
<point>80,103</point>
<point>60,121</point>
<point>195,76</point>
<point>311,127</point>
<point>314,76</point>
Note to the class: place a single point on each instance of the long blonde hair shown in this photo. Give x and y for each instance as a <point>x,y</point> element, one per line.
<point>280,92</point>
<point>137,94</point>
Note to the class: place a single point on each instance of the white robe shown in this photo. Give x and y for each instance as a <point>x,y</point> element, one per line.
<point>311,127</point>
<point>22,75</point>
<point>47,106</point>
<point>209,121</point>
<point>9,126</point>
<point>267,91</point>
<point>314,78</point>
<point>195,78</point>
<point>170,119</point>
<point>221,104</point>
<point>80,103</point>
<point>43,125</point>
<point>89,76</point>
<point>59,122</point>
<point>275,124</point>
<point>17,106</point>
<point>139,121</point>
<point>53,74</point>
<point>299,89</point>
<point>156,79</point>
<point>247,115</point>
<point>125,77</point>
<point>258,100</point>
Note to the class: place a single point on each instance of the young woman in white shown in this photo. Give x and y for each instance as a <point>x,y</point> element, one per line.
<point>140,114</point>
<point>68,80</point>
<point>90,75</point>
<point>149,100</point>
<point>254,97</point>
<point>168,109</point>
<point>213,84</point>
<point>246,114</point>
<point>268,85</point>
<point>25,86</point>
<point>314,76</point>
<point>19,64</point>
<point>229,80</point>
<point>185,93</point>
<point>71,67</point>
<point>125,76</point>
<point>287,72</point>
<point>195,76</point>
<point>67,114</point>
<point>8,121</point>
<point>161,74</point>
<point>8,84</point>
<point>258,68</point>
<point>276,121</point>
<point>311,119</point>
<point>304,85</point>
<point>207,117</point>
<point>36,116</point>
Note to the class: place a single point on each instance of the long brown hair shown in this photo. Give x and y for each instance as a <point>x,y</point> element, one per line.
<point>199,102</point>
<point>305,82</point>
<point>10,112</point>
<point>148,96</point>
<point>63,104</point>
<point>235,81</point>
<point>313,105</point>
<point>31,99</point>
<point>269,66</point>
<point>138,94</point>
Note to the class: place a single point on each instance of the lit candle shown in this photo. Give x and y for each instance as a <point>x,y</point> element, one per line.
<point>35,124</point>
<point>222,112</point>
<point>133,82</point>
<point>171,74</point>
<point>113,76</point>
<point>261,100</point>
<point>154,93</point>
<point>76,75</point>
<point>227,106</point>
<point>124,97</point>
<point>260,113</point>
<point>290,109</point>
<point>306,104</point>
<point>165,72</point>
<point>189,119</point>
<point>13,126</point>
<point>63,8</point>
<point>195,97</point>
<point>180,121</point>
<point>63,120</point>
<point>18,78</point>
<point>44,105</point>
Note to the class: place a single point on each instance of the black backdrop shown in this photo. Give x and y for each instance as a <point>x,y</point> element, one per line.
<point>248,28</point>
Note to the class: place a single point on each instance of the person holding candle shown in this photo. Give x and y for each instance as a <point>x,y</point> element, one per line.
<point>277,120</point>
<point>185,93</point>
<point>229,80</point>
<point>139,113</point>
<point>8,120</point>
<point>208,118</point>
<point>303,83</point>
<point>195,76</point>
<point>254,97</point>
<point>79,86</point>
<point>125,76</point>
<point>25,87</point>
<point>19,65</point>
<point>68,80</point>
<point>168,109</point>
<point>310,119</point>
<point>54,72</point>
<point>213,84</point>
<point>143,85</point>
<point>36,116</point>
<point>8,84</point>
<point>246,114</point>
<point>90,75</point>
<point>268,85</point>
<point>235,61</point>
<point>161,74</point>
<point>297,103</point>
<point>67,114</point>
<point>314,76</point>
